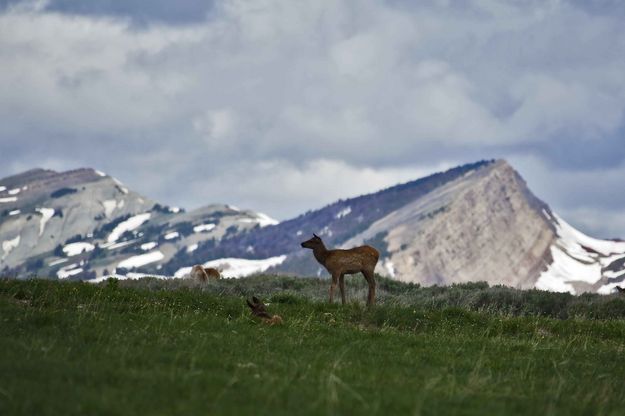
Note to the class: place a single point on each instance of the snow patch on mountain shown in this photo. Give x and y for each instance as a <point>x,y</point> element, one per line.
<point>141,260</point>
<point>115,246</point>
<point>10,245</point>
<point>14,212</point>
<point>237,267</point>
<point>128,225</point>
<point>342,213</point>
<point>172,235</point>
<point>46,214</point>
<point>74,249</point>
<point>70,270</point>
<point>203,227</point>
<point>57,262</point>
<point>8,199</point>
<point>148,246</point>
<point>577,258</point>
<point>265,220</point>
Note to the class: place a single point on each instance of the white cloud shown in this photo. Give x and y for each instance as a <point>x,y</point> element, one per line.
<point>284,92</point>
<point>286,189</point>
<point>590,200</point>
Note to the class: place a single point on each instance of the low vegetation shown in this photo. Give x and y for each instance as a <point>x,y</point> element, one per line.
<point>181,347</point>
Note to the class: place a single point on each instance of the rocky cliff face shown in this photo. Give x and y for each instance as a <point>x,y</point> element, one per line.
<point>484,226</point>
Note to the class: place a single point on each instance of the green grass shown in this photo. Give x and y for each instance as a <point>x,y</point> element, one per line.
<point>164,348</point>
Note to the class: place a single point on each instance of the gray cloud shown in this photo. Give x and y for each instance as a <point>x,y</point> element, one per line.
<point>260,104</point>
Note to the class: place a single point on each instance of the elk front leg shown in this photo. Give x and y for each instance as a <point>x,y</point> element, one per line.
<point>342,287</point>
<point>335,278</point>
<point>371,281</point>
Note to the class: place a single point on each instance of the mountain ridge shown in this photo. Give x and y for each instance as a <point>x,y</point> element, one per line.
<point>478,221</point>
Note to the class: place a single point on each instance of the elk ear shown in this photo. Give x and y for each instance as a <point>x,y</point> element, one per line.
<point>249,303</point>
<point>315,235</point>
<point>256,300</point>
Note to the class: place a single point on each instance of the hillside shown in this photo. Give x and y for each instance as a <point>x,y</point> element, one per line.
<point>71,348</point>
<point>477,222</point>
<point>83,224</point>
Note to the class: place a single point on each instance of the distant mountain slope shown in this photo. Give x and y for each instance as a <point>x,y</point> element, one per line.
<point>336,222</point>
<point>84,223</point>
<point>477,222</point>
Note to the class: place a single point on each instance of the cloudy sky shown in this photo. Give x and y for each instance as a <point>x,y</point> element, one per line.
<point>283,106</point>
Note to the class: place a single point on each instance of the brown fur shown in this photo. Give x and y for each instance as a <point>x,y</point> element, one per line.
<point>620,289</point>
<point>204,274</point>
<point>259,309</point>
<point>212,273</point>
<point>341,262</point>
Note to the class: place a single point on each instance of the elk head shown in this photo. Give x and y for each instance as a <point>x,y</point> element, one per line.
<point>258,308</point>
<point>313,242</point>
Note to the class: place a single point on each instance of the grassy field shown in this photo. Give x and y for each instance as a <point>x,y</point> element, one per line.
<point>174,347</point>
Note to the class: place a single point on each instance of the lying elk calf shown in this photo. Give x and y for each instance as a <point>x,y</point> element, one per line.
<point>341,262</point>
<point>204,274</point>
<point>259,309</point>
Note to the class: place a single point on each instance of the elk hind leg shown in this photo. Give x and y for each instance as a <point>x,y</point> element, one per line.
<point>342,287</point>
<point>370,277</point>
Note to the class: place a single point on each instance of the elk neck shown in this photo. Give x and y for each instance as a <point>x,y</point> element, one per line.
<point>321,253</point>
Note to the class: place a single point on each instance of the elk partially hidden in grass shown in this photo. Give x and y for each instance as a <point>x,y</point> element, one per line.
<point>259,309</point>
<point>341,262</point>
<point>204,274</point>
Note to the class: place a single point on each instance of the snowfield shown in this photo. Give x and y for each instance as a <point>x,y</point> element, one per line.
<point>578,258</point>
<point>265,220</point>
<point>128,225</point>
<point>342,213</point>
<point>70,270</point>
<point>203,227</point>
<point>148,246</point>
<point>235,267</point>
<point>74,249</point>
<point>46,214</point>
<point>10,245</point>
<point>141,260</point>
<point>172,235</point>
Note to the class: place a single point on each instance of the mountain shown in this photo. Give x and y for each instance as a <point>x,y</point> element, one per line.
<point>473,222</point>
<point>84,223</point>
<point>477,222</point>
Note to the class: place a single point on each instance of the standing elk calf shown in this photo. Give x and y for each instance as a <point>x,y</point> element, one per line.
<point>341,262</point>
<point>204,274</point>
